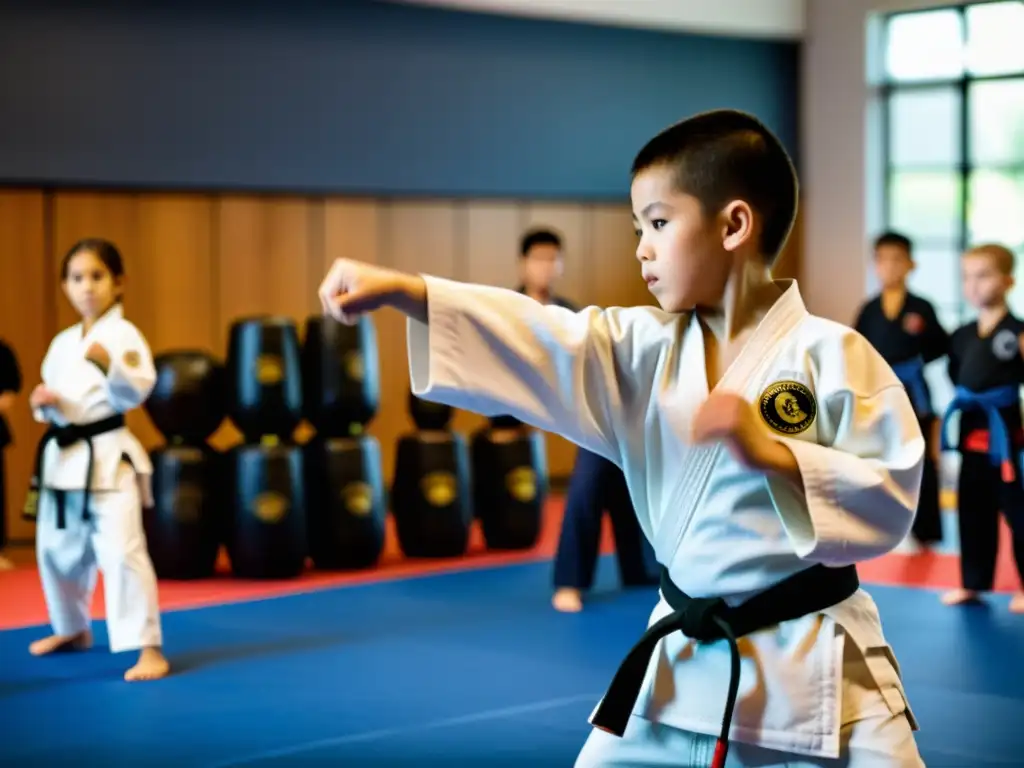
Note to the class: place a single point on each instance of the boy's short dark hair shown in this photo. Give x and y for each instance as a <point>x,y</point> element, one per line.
<point>727,155</point>
<point>539,237</point>
<point>896,239</point>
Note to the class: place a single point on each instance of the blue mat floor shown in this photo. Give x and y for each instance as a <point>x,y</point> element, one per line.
<point>467,670</point>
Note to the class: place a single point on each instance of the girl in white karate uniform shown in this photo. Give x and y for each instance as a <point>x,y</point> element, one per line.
<point>92,475</point>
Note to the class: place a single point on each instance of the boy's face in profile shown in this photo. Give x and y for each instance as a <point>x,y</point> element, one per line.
<point>681,251</point>
<point>892,265</point>
<point>540,267</point>
<point>985,284</point>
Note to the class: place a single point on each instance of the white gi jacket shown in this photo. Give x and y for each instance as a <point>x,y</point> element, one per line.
<point>86,395</point>
<point>625,383</point>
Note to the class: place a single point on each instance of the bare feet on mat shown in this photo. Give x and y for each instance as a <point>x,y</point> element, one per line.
<point>960,597</point>
<point>567,600</point>
<point>152,665</point>
<point>5,564</point>
<point>1017,603</point>
<point>57,643</point>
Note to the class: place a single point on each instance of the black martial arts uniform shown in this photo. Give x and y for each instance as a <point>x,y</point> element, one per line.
<point>10,381</point>
<point>988,373</point>
<point>596,486</point>
<point>908,342</point>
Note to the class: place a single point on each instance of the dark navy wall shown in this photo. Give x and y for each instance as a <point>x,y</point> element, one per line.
<point>356,96</point>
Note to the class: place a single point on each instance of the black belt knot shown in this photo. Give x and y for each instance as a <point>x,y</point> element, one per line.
<point>709,619</point>
<point>65,436</point>
<point>702,619</point>
<point>68,434</point>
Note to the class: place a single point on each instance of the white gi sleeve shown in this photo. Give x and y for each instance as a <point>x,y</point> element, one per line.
<point>131,376</point>
<point>582,375</point>
<point>46,415</point>
<point>862,477</point>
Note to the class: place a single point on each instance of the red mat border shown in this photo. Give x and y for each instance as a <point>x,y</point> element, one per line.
<point>22,605</point>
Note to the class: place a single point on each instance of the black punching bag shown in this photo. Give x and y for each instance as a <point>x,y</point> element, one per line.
<point>428,416</point>
<point>346,506</point>
<point>267,502</point>
<point>340,376</point>
<point>187,404</point>
<point>184,526</point>
<point>431,496</point>
<point>509,486</point>
<point>264,377</point>
<point>505,422</point>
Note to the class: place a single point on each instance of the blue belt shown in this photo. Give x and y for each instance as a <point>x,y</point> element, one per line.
<point>911,375</point>
<point>991,401</point>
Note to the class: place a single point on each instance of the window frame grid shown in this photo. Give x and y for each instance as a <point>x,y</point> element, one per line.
<point>886,88</point>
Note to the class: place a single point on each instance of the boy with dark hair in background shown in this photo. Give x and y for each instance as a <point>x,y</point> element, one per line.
<point>905,330</point>
<point>596,484</point>
<point>10,387</point>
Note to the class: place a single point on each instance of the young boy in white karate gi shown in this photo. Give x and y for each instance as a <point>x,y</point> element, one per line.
<point>92,475</point>
<point>766,450</point>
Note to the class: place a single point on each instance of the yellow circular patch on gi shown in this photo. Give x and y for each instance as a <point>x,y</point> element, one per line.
<point>131,359</point>
<point>788,407</point>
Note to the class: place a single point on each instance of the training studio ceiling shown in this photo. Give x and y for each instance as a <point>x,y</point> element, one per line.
<point>771,19</point>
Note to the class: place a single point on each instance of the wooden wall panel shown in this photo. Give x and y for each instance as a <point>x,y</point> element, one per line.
<point>351,230</point>
<point>115,217</point>
<point>491,234</point>
<point>614,271</point>
<point>788,263</point>
<point>27,324</point>
<point>196,262</point>
<point>420,237</point>
<point>171,274</point>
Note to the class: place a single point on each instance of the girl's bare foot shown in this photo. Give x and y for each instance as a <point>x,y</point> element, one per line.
<point>54,643</point>
<point>960,597</point>
<point>6,564</point>
<point>567,600</point>
<point>1017,603</point>
<point>152,665</point>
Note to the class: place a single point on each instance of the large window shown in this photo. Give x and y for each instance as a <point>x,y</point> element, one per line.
<point>952,95</point>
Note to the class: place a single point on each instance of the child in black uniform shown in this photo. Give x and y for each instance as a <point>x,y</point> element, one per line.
<point>986,363</point>
<point>904,329</point>
<point>596,483</point>
<point>10,386</point>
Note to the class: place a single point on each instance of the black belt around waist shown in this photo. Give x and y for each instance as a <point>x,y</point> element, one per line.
<point>706,619</point>
<point>66,436</point>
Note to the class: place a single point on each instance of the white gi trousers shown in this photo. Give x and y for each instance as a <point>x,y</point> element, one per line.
<point>113,541</point>
<point>875,734</point>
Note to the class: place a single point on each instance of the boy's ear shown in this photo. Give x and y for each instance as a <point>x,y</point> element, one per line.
<point>737,224</point>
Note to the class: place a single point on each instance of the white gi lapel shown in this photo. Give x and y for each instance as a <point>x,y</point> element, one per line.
<point>744,377</point>
<point>78,377</point>
<point>747,371</point>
